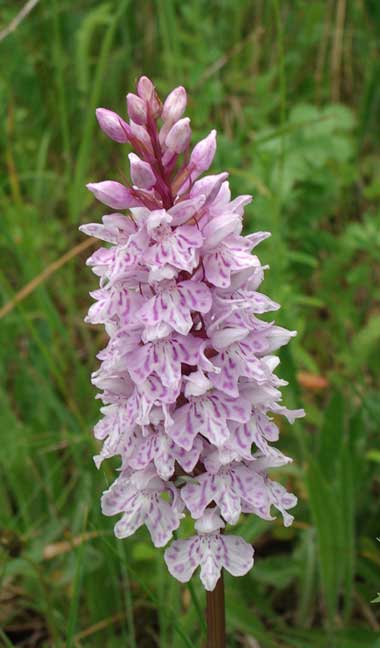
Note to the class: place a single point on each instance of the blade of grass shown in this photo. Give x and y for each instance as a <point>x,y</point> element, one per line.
<point>197,605</point>
<point>7,641</point>
<point>169,29</point>
<point>43,276</point>
<point>326,514</point>
<point>347,499</point>
<point>332,435</point>
<point>167,610</point>
<point>84,154</point>
<point>58,60</point>
<point>77,588</point>
<point>307,580</point>
<point>128,600</point>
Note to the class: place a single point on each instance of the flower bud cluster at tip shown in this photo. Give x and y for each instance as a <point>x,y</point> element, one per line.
<point>187,379</point>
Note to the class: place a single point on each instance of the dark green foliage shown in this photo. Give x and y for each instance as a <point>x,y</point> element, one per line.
<point>293,88</point>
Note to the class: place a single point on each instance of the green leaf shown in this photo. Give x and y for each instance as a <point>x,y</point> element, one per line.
<point>332,434</point>
<point>326,514</point>
<point>346,503</point>
<point>373,455</point>
<point>277,571</point>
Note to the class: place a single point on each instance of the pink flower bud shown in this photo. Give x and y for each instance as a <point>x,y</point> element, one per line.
<point>179,135</point>
<point>203,153</point>
<point>209,186</point>
<point>113,125</point>
<point>141,172</point>
<point>136,108</point>
<point>184,210</point>
<point>113,194</point>
<point>145,88</point>
<point>174,105</point>
<point>141,134</point>
<point>147,91</point>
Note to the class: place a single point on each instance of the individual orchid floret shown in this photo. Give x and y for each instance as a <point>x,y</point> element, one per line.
<point>190,398</point>
<point>165,356</point>
<point>211,551</point>
<point>174,303</point>
<point>177,247</point>
<point>138,498</point>
<point>157,448</point>
<point>206,412</point>
<point>228,488</point>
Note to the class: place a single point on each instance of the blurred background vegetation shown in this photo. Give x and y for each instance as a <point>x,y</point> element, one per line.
<point>293,88</point>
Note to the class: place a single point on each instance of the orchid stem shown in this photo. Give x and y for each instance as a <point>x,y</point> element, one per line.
<point>215,613</point>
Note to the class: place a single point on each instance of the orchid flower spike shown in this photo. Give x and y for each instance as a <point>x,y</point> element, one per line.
<point>187,377</point>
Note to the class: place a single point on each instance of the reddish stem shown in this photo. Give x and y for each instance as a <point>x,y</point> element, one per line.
<point>215,615</point>
<point>163,186</point>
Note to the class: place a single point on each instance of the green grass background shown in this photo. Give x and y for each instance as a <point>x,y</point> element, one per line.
<point>293,88</point>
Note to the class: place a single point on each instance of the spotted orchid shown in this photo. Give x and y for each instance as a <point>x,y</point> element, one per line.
<point>187,377</point>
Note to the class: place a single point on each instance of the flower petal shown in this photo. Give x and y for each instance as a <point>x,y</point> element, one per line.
<point>238,555</point>
<point>161,521</point>
<point>182,558</point>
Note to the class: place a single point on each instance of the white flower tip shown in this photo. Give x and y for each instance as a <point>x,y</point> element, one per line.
<point>136,108</point>
<point>197,384</point>
<point>145,87</point>
<point>209,522</point>
<point>174,104</point>
<point>203,152</point>
<point>179,136</point>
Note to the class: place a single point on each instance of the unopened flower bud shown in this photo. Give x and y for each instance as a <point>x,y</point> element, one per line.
<point>179,136</point>
<point>113,194</point>
<point>147,91</point>
<point>140,133</point>
<point>174,105</point>
<point>145,88</point>
<point>141,172</point>
<point>184,210</point>
<point>203,153</point>
<point>113,125</point>
<point>209,186</point>
<point>136,108</point>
